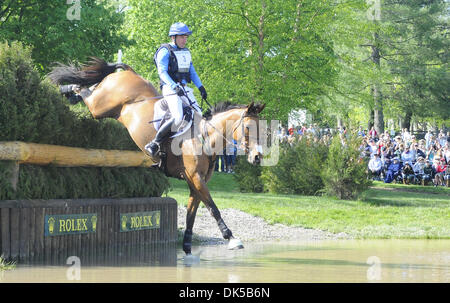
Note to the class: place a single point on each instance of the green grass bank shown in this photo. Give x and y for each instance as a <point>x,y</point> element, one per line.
<point>385,211</point>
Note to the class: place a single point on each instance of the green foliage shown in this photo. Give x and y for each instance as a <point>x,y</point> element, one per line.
<point>45,26</point>
<point>298,170</point>
<point>4,265</point>
<point>49,182</point>
<point>344,174</point>
<point>32,110</point>
<point>248,176</point>
<point>279,52</point>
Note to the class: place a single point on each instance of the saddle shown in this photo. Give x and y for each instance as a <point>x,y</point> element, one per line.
<point>162,115</point>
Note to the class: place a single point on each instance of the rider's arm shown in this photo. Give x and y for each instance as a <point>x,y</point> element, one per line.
<point>194,77</point>
<point>162,63</point>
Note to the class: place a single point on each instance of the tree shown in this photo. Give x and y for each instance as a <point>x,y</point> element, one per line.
<point>278,52</point>
<point>56,35</point>
<point>416,52</point>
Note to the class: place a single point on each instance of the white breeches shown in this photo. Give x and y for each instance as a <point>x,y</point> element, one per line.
<point>175,102</point>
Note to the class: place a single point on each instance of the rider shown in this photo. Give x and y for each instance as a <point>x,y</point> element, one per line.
<point>175,70</point>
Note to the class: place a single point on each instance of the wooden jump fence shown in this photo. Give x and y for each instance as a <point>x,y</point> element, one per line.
<point>109,231</point>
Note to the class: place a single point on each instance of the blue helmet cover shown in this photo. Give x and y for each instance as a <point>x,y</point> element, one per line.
<point>179,29</point>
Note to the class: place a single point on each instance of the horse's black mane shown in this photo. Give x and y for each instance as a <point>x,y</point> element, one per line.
<point>224,106</point>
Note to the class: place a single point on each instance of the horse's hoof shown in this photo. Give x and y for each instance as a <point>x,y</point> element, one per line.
<point>235,244</point>
<point>190,259</point>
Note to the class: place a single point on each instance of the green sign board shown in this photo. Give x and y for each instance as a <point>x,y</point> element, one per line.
<point>56,225</point>
<point>139,221</point>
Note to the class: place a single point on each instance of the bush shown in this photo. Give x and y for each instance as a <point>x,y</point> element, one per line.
<point>50,182</point>
<point>248,176</point>
<point>345,173</point>
<point>299,168</point>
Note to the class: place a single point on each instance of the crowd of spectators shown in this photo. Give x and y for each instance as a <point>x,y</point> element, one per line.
<point>289,135</point>
<point>406,159</point>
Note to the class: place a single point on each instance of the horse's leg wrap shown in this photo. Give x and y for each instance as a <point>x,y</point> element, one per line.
<point>226,232</point>
<point>187,241</point>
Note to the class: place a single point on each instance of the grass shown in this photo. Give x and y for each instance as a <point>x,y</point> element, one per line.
<point>6,265</point>
<point>423,213</point>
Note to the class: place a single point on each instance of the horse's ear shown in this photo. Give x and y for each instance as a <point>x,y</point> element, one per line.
<point>260,109</point>
<point>250,106</point>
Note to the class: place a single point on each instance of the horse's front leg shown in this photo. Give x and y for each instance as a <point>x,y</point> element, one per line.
<point>190,218</point>
<point>199,186</point>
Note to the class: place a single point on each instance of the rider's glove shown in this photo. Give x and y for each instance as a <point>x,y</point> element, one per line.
<point>179,90</point>
<point>203,92</point>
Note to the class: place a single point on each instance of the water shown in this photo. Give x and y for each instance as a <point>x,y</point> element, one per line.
<point>279,262</point>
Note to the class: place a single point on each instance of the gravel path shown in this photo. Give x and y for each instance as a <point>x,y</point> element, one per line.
<point>247,228</point>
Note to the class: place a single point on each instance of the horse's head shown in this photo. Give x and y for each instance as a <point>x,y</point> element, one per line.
<point>246,130</point>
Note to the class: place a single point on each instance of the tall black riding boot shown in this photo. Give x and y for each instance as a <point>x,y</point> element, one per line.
<point>153,146</point>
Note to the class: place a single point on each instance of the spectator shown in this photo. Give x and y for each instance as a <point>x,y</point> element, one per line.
<point>373,133</point>
<point>230,156</point>
<point>361,132</point>
<point>221,159</point>
<point>428,138</point>
<point>430,153</point>
<point>428,172</point>
<point>291,131</point>
<point>418,170</point>
<point>399,150</point>
<point>406,136</point>
<point>440,170</point>
<point>394,171</point>
<point>442,138</point>
<point>392,132</point>
<point>283,136</point>
<point>389,151</point>
<point>373,147</point>
<point>446,154</point>
<point>447,176</point>
<point>407,173</point>
<point>375,167</point>
<point>397,141</point>
<point>385,168</point>
<point>408,156</point>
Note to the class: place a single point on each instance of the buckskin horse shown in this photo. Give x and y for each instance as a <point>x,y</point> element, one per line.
<point>129,98</point>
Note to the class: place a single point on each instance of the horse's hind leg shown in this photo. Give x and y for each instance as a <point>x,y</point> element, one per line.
<point>190,218</point>
<point>74,93</point>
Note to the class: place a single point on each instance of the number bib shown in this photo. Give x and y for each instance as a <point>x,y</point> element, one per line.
<point>184,60</point>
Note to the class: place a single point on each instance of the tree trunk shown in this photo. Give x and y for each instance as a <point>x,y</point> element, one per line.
<point>376,91</point>
<point>371,117</point>
<point>407,121</point>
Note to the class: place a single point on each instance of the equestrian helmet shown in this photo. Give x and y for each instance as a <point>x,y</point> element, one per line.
<point>179,29</point>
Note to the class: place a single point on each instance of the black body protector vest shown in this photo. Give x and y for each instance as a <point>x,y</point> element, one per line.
<point>179,63</point>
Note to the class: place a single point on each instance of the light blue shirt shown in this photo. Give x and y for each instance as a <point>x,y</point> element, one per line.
<point>162,63</point>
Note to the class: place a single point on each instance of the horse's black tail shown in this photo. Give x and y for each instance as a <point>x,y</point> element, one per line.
<point>89,74</point>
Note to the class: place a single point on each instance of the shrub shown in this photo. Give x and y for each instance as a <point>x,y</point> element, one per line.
<point>248,176</point>
<point>299,168</point>
<point>345,173</point>
<point>50,182</point>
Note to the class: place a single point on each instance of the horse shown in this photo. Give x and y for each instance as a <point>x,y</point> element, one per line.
<point>129,98</point>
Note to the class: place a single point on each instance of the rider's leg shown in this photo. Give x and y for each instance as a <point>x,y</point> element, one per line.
<point>176,110</point>
<point>153,146</point>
